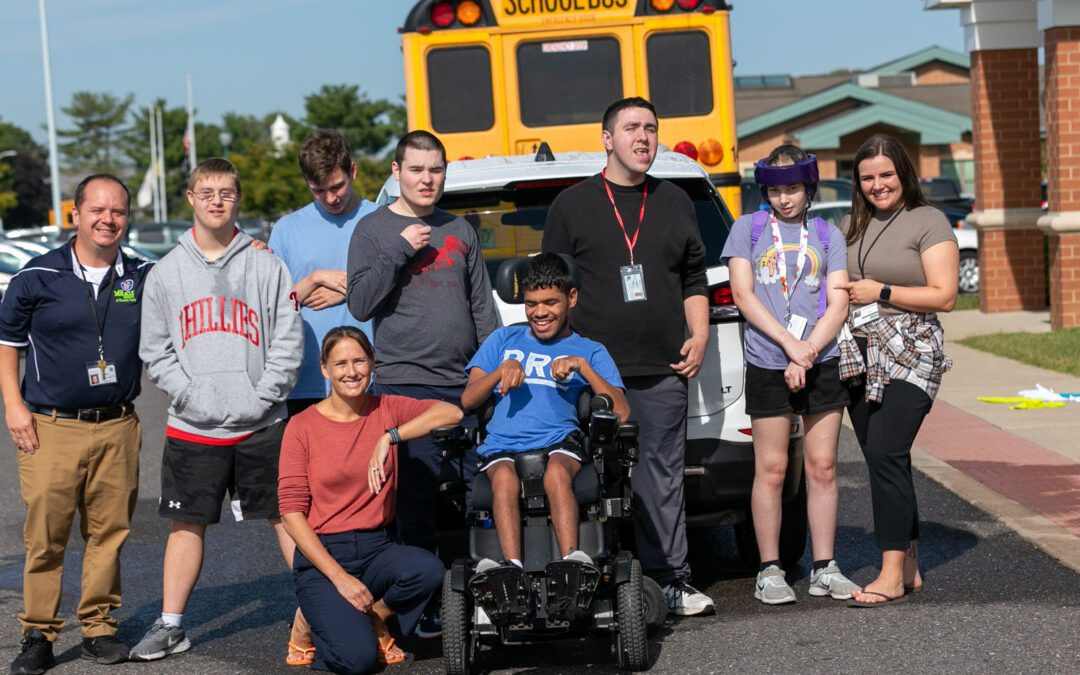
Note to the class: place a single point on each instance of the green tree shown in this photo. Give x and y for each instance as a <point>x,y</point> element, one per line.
<point>271,181</point>
<point>368,125</point>
<point>92,144</point>
<point>26,175</point>
<point>8,198</point>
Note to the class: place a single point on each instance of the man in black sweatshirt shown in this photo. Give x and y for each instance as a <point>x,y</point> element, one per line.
<point>643,288</point>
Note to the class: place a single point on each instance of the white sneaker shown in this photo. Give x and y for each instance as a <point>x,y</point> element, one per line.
<point>685,600</point>
<point>830,581</point>
<point>579,556</point>
<point>486,564</point>
<point>772,588</point>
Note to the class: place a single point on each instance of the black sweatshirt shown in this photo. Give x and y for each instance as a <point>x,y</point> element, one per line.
<point>643,337</point>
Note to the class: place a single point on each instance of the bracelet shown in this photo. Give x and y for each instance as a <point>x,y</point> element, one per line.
<point>395,437</point>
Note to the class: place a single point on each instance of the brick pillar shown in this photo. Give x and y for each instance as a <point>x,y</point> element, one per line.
<point>1063,172</point>
<point>826,163</point>
<point>1005,116</point>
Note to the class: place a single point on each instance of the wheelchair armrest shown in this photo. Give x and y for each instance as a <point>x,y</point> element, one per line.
<point>453,441</point>
<point>628,430</point>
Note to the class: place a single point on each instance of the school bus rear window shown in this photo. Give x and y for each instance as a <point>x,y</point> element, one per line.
<point>680,73</point>
<point>569,81</point>
<point>460,89</point>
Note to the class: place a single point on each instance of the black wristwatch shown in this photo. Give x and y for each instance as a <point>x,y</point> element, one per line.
<point>886,292</point>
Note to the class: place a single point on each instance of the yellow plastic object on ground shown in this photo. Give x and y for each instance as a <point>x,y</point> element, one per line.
<point>1020,403</point>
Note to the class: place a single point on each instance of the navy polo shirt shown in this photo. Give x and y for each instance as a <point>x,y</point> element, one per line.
<point>46,309</point>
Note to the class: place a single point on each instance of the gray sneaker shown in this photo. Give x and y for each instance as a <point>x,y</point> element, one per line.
<point>830,581</point>
<point>160,641</point>
<point>772,588</point>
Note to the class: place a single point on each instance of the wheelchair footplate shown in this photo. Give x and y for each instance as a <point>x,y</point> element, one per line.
<point>503,593</point>
<point>570,588</point>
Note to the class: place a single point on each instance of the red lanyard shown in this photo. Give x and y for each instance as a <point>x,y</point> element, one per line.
<point>630,243</point>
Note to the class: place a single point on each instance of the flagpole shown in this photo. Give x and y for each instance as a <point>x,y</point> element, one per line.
<point>151,118</point>
<point>191,125</point>
<point>161,168</point>
<point>50,120</point>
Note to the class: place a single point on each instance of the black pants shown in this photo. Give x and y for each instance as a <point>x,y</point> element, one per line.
<point>886,432</point>
<point>420,467</point>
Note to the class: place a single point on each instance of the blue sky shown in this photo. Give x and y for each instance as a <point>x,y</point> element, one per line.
<point>255,56</point>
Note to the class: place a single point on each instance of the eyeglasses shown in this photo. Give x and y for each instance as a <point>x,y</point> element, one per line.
<point>226,195</point>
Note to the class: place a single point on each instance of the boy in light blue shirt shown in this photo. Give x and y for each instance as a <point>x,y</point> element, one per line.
<point>314,244</point>
<point>536,373</point>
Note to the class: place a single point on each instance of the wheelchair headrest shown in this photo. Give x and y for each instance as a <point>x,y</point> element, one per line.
<point>512,271</point>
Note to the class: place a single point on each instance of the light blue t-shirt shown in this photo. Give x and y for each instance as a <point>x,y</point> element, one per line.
<point>542,411</point>
<point>761,351</point>
<point>307,240</point>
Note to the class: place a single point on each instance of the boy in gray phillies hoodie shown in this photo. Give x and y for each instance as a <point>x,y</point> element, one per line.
<point>223,338</point>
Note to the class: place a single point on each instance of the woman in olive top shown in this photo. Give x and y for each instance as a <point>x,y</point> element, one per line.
<point>903,264</point>
<point>336,486</point>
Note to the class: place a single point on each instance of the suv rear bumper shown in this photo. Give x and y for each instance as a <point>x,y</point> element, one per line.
<point>720,474</point>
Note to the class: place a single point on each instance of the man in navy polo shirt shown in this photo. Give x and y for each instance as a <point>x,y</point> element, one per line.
<point>76,311</point>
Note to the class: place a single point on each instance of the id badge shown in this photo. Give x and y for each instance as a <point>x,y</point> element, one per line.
<point>633,283</point>
<point>797,326</point>
<point>99,376</point>
<point>864,315</point>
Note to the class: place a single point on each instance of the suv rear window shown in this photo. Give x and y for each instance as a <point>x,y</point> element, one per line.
<point>510,220</point>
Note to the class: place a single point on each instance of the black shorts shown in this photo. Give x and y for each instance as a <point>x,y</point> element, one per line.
<point>195,477</point>
<point>569,446</point>
<point>767,394</point>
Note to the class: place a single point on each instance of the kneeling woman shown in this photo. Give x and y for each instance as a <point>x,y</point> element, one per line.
<point>336,487</point>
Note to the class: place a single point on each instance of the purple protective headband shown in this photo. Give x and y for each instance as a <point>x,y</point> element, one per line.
<point>799,172</point>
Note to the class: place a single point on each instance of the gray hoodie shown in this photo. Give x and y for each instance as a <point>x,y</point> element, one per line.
<point>222,338</point>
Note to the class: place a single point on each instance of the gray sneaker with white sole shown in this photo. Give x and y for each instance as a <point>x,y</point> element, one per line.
<point>160,641</point>
<point>829,581</point>
<point>772,588</point>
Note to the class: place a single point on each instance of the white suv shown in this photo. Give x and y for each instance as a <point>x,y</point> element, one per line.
<point>506,200</point>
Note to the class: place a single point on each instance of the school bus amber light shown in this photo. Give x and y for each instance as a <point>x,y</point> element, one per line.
<point>662,5</point>
<point>468,13</point>
<point>710,152</point>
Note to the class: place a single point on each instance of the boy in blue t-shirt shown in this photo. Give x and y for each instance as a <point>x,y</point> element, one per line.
<point>536,373</point>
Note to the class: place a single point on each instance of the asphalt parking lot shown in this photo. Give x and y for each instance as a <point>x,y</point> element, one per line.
<point>992,603</point>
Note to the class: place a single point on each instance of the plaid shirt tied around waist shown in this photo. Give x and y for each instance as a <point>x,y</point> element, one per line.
<point>907,347</point>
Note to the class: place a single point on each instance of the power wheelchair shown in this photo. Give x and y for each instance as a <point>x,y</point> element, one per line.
<point>550,598</point>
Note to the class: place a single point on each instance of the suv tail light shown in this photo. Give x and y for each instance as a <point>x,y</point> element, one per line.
<point>722,304</point>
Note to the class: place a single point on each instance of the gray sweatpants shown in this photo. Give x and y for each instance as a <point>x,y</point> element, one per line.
<point>658,405</point>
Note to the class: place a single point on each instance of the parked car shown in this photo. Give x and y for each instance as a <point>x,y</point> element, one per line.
<point>966,238</point>
<point>944,193</point>
<point>12,259</point>
<point>506,199</point>
<point>157,238</point>
<point>829,190</point>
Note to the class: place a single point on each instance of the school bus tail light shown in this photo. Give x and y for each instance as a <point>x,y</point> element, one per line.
<point>468,13</point>
<point>687,148</point>
<point>688,4</point>
<point>710,152</point>
<point>442,14</point>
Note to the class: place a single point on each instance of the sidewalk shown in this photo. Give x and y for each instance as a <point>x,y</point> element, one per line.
<point>1020,466</point>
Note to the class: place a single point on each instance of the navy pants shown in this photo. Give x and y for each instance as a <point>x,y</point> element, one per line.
<point>420,466</point>
<point>404,577</point>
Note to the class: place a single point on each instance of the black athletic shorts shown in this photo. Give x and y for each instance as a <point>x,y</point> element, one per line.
<point>195,477</point>
<point>570,446</point>
<point>767,394</point>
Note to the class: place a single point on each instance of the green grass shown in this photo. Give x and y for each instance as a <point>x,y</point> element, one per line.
<point>969,301</point>
<point>1059,350</point>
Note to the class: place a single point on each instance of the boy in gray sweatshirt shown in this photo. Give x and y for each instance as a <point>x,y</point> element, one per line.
<point>222,337</point>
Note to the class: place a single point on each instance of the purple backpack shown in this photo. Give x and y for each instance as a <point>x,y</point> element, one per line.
<point>761,218</point>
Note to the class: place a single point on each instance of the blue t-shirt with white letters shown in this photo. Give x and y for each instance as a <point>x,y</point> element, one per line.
<point>542,411</point>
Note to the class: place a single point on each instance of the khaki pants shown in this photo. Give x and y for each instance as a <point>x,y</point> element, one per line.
<point>92,468</point>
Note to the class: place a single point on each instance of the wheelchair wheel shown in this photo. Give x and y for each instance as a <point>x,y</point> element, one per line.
<point>656,609</point>
<point>458,644</point>
<point>631,641</point>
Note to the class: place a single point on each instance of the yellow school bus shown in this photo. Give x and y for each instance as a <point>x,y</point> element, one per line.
<point>497,77</point>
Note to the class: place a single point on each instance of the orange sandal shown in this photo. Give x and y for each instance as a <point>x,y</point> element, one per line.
<point>389,653</point>
<point>300,656</point>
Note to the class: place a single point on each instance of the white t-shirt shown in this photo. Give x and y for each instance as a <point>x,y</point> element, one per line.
<point>95,275</point>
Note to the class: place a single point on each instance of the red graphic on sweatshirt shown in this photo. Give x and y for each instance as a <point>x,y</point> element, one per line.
<point>219,315</point>
<point>438,258</point>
